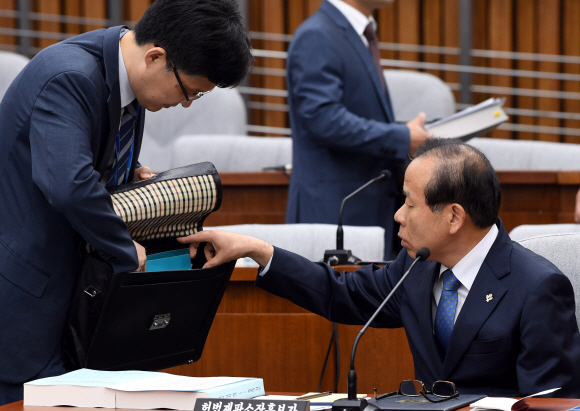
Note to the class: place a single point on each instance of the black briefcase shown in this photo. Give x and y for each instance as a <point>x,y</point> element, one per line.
<point>149,320</point>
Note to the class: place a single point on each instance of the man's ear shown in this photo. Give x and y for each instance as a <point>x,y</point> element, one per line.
<point>457,216</point>
<point>155,55</point>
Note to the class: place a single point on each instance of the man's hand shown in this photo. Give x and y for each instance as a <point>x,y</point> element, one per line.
<point>142,257</point>
<point>223,246</point>
<point>142,173</point>
<point>418,132</point>
<point>577,209</point>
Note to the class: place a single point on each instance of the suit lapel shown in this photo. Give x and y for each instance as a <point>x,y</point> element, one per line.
<point>365,57</point>
<point>427,275</point>
<point>111,61</point>
<point>477,309</point>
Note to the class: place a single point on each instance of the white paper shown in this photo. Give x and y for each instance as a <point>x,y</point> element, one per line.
<point>503,404</point>
<point>170,382</point>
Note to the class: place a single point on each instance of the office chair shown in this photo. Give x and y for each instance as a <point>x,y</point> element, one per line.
<point>562,251</point>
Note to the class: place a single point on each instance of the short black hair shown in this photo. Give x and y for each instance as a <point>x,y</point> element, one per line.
<point>463,175</point>
<point>204,38</point>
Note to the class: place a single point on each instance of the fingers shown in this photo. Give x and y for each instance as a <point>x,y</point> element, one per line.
<point>142,173</point>
<point>142,256</point>
<point>194,241</point>
<point>210,255</point>
<point>421,119</point>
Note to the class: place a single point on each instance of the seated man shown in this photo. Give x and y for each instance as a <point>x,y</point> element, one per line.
<point>510,329</point>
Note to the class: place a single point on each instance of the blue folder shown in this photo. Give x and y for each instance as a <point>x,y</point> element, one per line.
<point>169,261</point>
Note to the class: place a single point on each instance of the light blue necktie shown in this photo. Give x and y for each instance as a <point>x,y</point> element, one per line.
<point>445,315</point>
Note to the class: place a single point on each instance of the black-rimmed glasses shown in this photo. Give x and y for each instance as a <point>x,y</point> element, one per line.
<point>187,98</point>
<point>415,388</point>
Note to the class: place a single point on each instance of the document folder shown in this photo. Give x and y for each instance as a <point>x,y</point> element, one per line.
<point>149,320</point>
<point>401,402</point>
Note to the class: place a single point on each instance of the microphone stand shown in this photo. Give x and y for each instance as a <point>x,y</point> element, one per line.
<point>341,256</point>
<point>352,403</point>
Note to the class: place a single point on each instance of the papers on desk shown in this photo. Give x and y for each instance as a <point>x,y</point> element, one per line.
<point>506,404</point>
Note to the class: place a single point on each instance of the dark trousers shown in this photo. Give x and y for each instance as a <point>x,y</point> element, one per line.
<point>15,392</point>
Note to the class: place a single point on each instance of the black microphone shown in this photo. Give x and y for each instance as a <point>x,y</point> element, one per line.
<point>340,255</point>
<point>352,403</point>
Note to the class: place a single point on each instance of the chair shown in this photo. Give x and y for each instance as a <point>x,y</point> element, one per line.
<point>533,230</point>
<point>311,240</point>
<point>413,91</point>
<point>232,153</point>
<point>562,251</point>
<point>222,111</point>
<point>531,155</point>
<point>528,155</point>
<point>10,65</point>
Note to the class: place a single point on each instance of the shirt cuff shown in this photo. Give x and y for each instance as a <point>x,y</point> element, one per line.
<point>265,269</point>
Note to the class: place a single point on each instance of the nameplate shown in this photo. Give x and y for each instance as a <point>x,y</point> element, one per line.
<point>240,404</point>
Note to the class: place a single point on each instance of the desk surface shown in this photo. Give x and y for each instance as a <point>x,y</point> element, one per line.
<point>539,404</point>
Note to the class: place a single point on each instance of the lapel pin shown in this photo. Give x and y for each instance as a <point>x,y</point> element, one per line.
<point>488,297</point>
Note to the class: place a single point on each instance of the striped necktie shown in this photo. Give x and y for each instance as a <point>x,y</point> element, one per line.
<point>124,145</point>
<point>445,316</point>
<point>373,40</point>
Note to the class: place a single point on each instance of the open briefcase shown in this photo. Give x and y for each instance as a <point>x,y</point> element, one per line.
<point>149,320</point>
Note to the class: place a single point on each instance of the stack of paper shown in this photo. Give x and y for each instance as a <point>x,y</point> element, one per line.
<point>135,389</point>
<point>472,122</point>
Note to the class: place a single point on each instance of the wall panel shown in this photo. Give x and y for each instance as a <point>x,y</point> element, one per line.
<point>549,43</point>
<point>549,27</point>
<point>8,22</point>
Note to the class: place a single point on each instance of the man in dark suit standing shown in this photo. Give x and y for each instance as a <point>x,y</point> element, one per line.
<point>483,312</point>
<point>343,128</point>
<point>72,123</point>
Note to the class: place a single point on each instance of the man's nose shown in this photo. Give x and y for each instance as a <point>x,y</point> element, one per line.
<point>186,103</point>
<point>399,215</point>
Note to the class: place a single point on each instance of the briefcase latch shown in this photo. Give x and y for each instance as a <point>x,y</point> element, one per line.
<point>160,321</point>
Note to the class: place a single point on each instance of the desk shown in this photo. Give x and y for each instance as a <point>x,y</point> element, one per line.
<point>538,404</point>
<point>257,334</point>
<point>528,197</point>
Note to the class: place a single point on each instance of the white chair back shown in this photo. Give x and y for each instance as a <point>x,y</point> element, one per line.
<point>413,91</point>
<point>524,231</point>
<point>10,65</point>
<point>528,155</point>
<point>562,250</point>
<point>222,111</point>
<point>311,240</point>
<point>232,153</point>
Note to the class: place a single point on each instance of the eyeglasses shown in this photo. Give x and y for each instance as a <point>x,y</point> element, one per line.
<point>187,98</point>
<point>415,388</point>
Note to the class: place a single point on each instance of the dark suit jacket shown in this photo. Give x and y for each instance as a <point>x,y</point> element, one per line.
<point>523,341</point>
<point>343,128</point>
<point>59,118</point>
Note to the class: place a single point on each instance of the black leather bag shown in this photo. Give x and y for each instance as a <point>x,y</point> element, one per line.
<point>149,320</point>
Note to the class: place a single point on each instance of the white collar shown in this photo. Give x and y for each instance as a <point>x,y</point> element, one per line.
<point>357,20</point>
<point>127,95</point>
<point>467,268</point>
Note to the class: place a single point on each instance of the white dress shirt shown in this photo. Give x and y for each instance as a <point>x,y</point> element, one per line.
<point>465,271</point>
<point>127,95</point>
<point>357,20</point>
